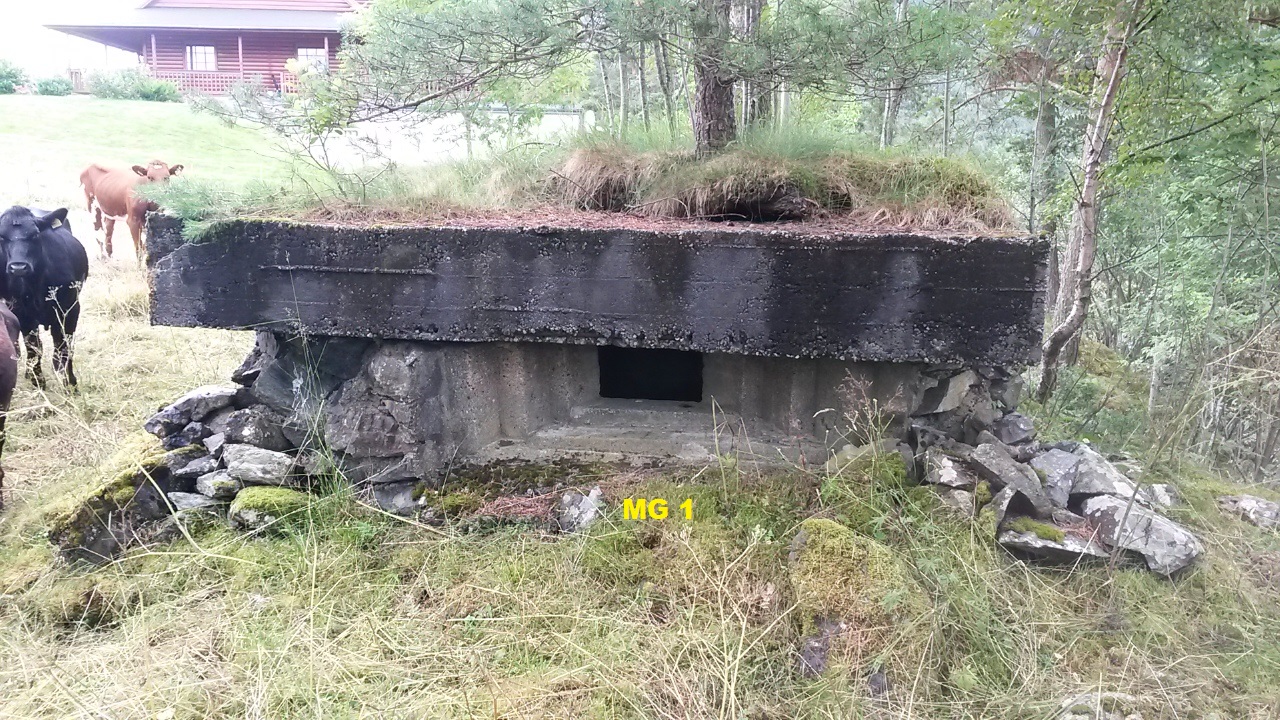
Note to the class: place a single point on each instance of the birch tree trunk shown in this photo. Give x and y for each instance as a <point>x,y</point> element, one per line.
<point>1077,277</point>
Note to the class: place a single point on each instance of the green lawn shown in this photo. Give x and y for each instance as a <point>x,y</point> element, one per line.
<point>47,141</point>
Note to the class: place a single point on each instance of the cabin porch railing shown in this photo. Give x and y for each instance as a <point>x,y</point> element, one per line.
<point>220,83</point>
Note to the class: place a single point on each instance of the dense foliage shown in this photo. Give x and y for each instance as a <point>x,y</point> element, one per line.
<point>54,86</point>
<point>132,85</point>
<point>11,76</point>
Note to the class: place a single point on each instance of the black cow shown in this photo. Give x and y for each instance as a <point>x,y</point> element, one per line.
<point>45,267</point>
<point>8,375</point>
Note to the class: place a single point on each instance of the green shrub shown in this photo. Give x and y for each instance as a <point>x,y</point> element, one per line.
<point>54,86</point>
<point>158,90</point>
<point>11,76</point>
<point>132,85</point>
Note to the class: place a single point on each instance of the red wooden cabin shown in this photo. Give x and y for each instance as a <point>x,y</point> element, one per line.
<point>209,46</point>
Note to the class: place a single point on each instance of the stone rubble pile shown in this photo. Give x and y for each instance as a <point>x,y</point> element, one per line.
<point>1060,502</point>
<point>238,460</point>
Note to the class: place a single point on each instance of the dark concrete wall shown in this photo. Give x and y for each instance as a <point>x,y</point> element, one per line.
<point>892,297</point>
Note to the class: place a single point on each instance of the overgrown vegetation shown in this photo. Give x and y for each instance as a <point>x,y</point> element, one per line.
<point>11,77</point>
<point>56,86</point>
<point>767,176</point>
<point>132,85</point>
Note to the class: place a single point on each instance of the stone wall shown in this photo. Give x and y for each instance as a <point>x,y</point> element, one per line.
<point>400,410</point>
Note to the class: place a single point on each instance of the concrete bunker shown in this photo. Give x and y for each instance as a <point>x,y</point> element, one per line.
<point>409,350</point>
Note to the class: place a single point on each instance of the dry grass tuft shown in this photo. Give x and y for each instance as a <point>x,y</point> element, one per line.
<point>756,183</point>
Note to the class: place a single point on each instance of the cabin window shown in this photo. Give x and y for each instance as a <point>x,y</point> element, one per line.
<point>648,374</point>
<point>314,59</point>
<point>202,58</point>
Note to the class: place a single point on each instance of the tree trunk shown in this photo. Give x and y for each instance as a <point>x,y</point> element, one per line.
<point>608,95</point>
<point>714,124</point>
<point>664,82</point>
<point>1042,161</point>
<point>624,95</point>
<point>893,101</point>
<point>644,88</point>
<point>1082,242</point>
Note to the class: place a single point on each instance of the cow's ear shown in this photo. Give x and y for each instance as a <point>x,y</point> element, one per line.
<point>140,170</point>
<point>52,220</point>
<point>175,169</point>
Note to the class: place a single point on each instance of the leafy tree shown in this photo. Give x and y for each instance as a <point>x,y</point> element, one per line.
<point>11,76</point>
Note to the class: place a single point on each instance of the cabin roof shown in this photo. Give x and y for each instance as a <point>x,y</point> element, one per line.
<point>203,19</point>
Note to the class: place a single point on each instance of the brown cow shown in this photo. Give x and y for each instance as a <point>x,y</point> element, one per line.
<point>111,195</point>
<point>8,374</point>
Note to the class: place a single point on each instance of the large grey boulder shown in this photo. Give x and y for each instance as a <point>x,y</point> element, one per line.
<point>577,511</point>
<point>258,426</point>
<point>1095,475</point>
<point>1258,511</point>
<point>192,407</point>
<point>255,466</point>
<point>1065,549</point>
<point>194,469</point>
<point>397,498</point>
<point>191,501</point>
<point>259,508</point>
<point>1014,429</point>
<point>1058,469</point>
<point>947,394</point>
<point>1002,471</point>
<point>218,485</point>
<point>1164,544</point>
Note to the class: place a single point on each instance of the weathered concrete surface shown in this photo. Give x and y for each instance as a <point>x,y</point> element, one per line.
<point>397,410</point>
<point>892,297</point>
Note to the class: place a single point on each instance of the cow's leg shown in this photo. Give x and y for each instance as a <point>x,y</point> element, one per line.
<point>62,364</point>
<point>109,227</point>
<point>5,397</point>
<point>66,318</point>
<point>35,354</point>
<point>3,416</point>
<point>135,229</point>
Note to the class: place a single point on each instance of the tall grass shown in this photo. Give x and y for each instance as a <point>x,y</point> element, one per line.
<point>767,175</point>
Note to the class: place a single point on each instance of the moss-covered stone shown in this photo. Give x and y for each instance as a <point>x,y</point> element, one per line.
<point>260,506</point>
<point>1042,530</point>
<point>837,573</point>
<point>95,525</point>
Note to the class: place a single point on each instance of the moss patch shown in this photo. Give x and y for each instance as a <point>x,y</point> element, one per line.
<point>837,573</point>
<point>274,501</point>
<point>74,523</point>
<point>1042,530</point>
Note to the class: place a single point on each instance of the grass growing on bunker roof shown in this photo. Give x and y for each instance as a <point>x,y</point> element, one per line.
<point>766,176</point>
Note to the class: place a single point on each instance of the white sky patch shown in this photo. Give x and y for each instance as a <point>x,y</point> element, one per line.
<point>43,52</point>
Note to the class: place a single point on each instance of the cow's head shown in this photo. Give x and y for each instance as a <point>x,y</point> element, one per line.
<point>157,171</point>
<point>21,234</point>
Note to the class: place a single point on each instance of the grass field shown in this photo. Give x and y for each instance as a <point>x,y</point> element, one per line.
<point>47,141</point>
<point>353,614</point>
